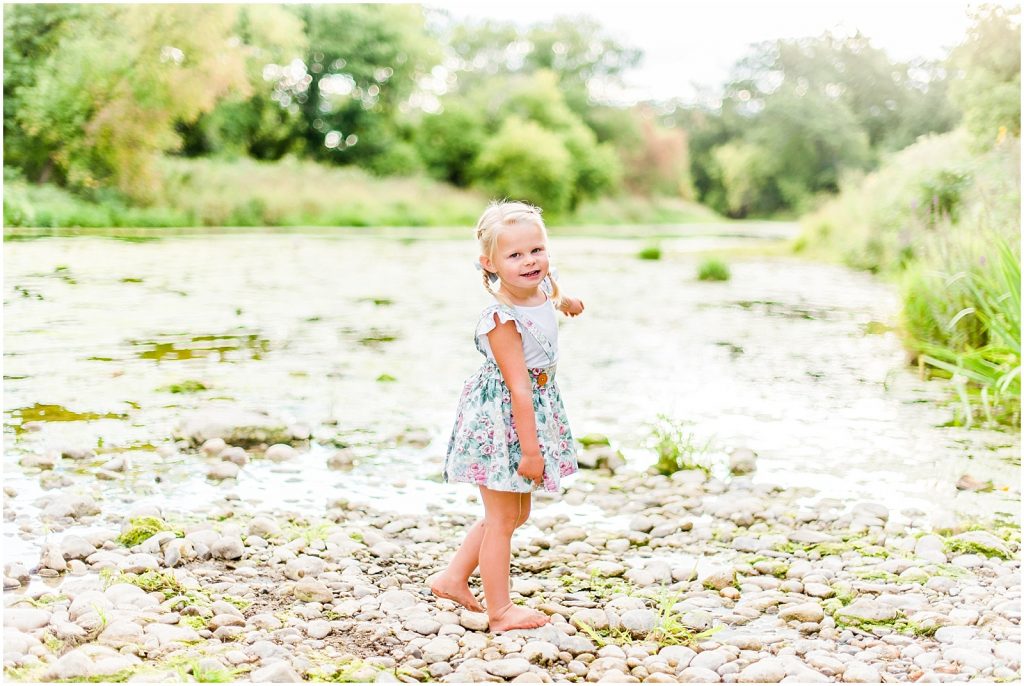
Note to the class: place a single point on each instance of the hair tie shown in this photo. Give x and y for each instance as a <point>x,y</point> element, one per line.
<point>491,276</point>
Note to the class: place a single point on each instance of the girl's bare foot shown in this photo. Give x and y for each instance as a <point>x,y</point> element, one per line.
<point>513,616</point>
<point>444,587</point>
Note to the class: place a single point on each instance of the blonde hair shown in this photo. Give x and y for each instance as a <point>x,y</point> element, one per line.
<point>501,213</point>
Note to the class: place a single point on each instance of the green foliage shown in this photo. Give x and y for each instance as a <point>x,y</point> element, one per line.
<point>980,343</point>
<point>448,142</point>
<point>524,161</point>
<point>100,128</point>
<point>676,447</point>
<point>943,194</point>
<point>713,269</point>
<point>650,252</point>
<point>988,86</point>
<point>142,528</point>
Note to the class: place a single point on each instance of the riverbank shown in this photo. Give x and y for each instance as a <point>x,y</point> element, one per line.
<point>708,580</point>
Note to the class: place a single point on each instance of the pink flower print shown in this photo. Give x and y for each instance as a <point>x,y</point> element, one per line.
<point>549,483</point>
<point>488,449</point>
<point>477,473</point>
<point>562,445</point>
<point>565,469</point>
<point>490,434</point>
<point>561,429</point>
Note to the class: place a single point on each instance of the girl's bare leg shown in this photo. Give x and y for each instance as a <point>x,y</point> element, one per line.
<point>501,515</point>
<point>453,583</point>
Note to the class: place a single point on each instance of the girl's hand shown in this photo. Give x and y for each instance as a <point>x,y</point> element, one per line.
<point>572,306</point>
<point>532,468</point>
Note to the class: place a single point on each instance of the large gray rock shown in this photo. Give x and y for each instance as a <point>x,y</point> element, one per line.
<point>276,673</point>
<point>508,668</point>
<point>235,425</point>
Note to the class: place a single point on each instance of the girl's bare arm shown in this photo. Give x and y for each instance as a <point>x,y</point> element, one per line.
<point>507,346</point>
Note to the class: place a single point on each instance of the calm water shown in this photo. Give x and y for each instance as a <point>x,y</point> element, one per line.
<point>784,359</point>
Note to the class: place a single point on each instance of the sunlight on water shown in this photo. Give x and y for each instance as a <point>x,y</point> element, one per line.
<point>303,327</point>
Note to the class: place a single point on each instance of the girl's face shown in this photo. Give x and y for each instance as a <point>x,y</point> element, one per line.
<point>520,256</point>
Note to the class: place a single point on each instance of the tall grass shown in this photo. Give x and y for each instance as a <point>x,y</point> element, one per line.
<point>943,223</point>
<point>249,193</point>
<point>978,345</point>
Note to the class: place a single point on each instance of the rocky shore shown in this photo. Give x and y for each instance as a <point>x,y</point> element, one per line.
<point>689,579</point>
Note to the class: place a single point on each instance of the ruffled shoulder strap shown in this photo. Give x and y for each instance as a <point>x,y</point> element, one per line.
<point>506,313</point>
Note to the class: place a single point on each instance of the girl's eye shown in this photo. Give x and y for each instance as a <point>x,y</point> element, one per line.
<point>513,254</point>
<point>536,249</point>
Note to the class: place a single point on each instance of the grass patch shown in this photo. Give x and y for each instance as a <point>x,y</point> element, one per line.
<point>676,447</point>
<point>713,269</point>
<point>650,252</point>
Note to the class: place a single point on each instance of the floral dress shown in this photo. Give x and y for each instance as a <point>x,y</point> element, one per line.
<point>484,448</point>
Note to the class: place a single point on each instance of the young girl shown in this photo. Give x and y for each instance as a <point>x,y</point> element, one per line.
<point>511,434</point>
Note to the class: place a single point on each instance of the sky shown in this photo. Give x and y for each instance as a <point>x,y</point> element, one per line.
<point>691,44</point>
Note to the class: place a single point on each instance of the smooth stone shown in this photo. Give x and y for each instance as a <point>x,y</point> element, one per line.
<point>677,656</point>
<point>769,670</point>
<point>698,675</point>
<point>711,659</point>
<point>474,621</point>
<point>860,673</point>
<point>391,601</point>
<point>868,609</point>
<point>138,563</point>
<point>508,668</point>
<point>540,652</point>
<point>219,471</point>
<point>277,672</point>
<point>318,628</point>
<point>593,617</point>
<point>440,649</point>
<point>228,548</point>
<point>311,590</point>
<point>26,619</point>
<point>280,452</point>
<point>639,621</point>
<point>803,612</point>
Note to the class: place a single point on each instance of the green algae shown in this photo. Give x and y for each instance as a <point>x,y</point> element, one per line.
<point>40,412</point>
<point>593,439</point>
<point>187,386</point>
<point>143,528</point>
<point>184,347</point>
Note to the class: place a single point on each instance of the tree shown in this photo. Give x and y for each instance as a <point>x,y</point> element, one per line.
<point>987,87</point>
<point>364,60</point>
<point>106,99</point>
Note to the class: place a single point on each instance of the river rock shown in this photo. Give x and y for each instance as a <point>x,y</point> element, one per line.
<point>276,673</point>
<point>639,622</point>
<point>228,548</point>
<point>802,612</point>
<point>26,619</point>
<point>218,471</point>
<point>311,590</point>
<point>985,543</point>
<point>863,608</point>
<point>742,461</point>
<point>137,563</point>
<point>698,675</point>
<point>280,452</point>
<point>508,668</point>
<point>595,618</point>
<point>859,673</point>
<point>440,649</point>
<point>233,424</point>
<point>768,670</point>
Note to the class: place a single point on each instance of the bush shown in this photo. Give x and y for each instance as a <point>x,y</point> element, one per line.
<point>650,252</point>
<point>449,142</point>
<point>713,269</point>
<point>524,161</point>
<point>677,448</point>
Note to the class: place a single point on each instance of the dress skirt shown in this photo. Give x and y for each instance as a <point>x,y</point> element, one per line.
<point>484,447</point>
